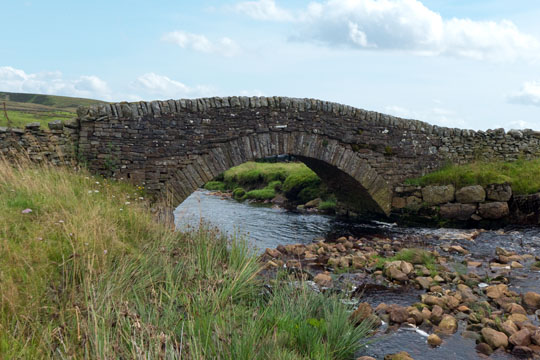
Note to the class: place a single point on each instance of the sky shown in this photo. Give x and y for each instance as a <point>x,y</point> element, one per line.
<point>471,64</point>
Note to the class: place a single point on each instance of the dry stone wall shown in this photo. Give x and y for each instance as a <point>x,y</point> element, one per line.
<point>58,144</point>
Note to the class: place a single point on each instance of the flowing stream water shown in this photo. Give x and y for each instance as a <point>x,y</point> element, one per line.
<point>267,227</point>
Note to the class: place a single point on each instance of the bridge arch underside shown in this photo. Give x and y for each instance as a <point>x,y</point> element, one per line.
<point>355,183</point>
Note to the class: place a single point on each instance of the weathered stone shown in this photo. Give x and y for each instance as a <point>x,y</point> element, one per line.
<point>493,210</point>
<point>448,324</point>
<point>322,279</point>
<point>494,338</point>
<point>484,348</point>
<point>471,194</point>
<point>456,211</point>
<point>499,192</point>
<point>434,340</point>
<point>496,291</point>
<point>56,125</point>
<point>398,314</point>
<point>521,338</point>
<point>435,195</point>
<point>425,282</point>
<point>399,356</point>
<point>363,312</point>
<point>436,314</point>
<point>532,300</point>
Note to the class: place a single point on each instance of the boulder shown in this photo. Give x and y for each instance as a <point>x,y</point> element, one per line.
<point>460,212</point>
<point>523,352</point>
<point>535,337</point>
<point>494,338</point>
<point>399,356</point>
<point>56,125</point>
<point>312,203</point>
<point>496,291</point>
<point>448,324</point>
<point>435,195</point>
<point>532,300</point>
<point>521,338</point>
<point>398,314</point>
<point>425,282</point>
<point>509,328</point>
<point>434,340</point>
<point>471,194</point>
<point>493,210</point>
<point>436,314</point>
<point>363,312</point>
<point>323,280</point>
<point>484,348</point>
<point>499,192</point>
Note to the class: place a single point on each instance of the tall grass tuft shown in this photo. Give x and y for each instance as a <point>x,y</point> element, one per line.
<point>86,272</point>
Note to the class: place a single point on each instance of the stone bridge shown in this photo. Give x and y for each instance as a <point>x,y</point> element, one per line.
<point>174,147</point>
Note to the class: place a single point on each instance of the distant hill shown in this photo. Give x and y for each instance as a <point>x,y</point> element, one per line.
<point>26,108</point>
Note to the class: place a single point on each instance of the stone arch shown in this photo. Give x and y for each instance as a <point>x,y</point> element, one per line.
<point>351,177</point>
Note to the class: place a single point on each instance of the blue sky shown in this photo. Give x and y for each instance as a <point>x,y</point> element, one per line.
<point>470,64</point>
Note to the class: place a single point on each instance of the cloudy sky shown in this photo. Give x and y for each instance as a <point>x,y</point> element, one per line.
<point>461,63</point>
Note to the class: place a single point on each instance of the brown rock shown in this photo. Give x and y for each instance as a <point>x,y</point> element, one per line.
<point>273,253</point>
<point>535,337</point>
<point>361,313</point>
<point>424,282</point>
<point>434,340</point>
<point>519,318</point>
<point>458,249</point>
<point>532,300</point>
<point>366,358</point>
<point>496,291</point>
<point>509,328</point>
<point>521,338</point>
<point>432,300</point>
<point>514,308</point>
<point>448,324</point>
<point>460,212</point>
<point>395,274</point>
<point>499,192</point>
<point>436,314</point>
<point>471,194</point>
<point>399,356</point>
<point>435,195</point>
<point>484,348</point>
<point>416,315</point>
<point>398,314</point>
<point>493,210</point>
<point>323,280</point>
<point>494,338</point>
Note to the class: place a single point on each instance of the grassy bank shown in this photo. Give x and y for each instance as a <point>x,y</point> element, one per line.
<point>263,181</point>
<point>524,175</point>
<point>86,272</point>
<point>28,108</point>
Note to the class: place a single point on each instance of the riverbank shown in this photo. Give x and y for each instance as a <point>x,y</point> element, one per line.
<point>86,271</point>
<point>452,295</point>
<point>290,185</point>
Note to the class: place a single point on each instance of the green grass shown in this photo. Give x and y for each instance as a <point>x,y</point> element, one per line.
<point>20,118</point>
<point>413,256</point>
<point>524,175</point>
<point>253,173</point>
<point>28,108</point>
<point>261,194</point>
<point>88,273</point>
<point>328,205</point>
<point>215,185</point>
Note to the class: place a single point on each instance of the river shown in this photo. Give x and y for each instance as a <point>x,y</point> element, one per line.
<point>267,227</point>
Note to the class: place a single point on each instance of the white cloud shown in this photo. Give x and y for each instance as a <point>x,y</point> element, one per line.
<point>435,115</point>
<point>528,95</point>
<point>162,87</point>
<point>224,46</point>
<point>52,83</point>
<point>405,25</point>
<point>264,10</point>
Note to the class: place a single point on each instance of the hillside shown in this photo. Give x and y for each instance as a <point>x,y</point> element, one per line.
<point>26,108</point>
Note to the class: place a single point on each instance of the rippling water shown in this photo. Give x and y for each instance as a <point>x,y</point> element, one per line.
<point>265,226</point>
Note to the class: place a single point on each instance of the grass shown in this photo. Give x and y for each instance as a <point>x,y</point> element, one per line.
<point>28,108</point>
<point>88,273</point>
<point>262,181</point>
<point>413,256</point>
<point>20,118</point>
<point>524,175</point>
